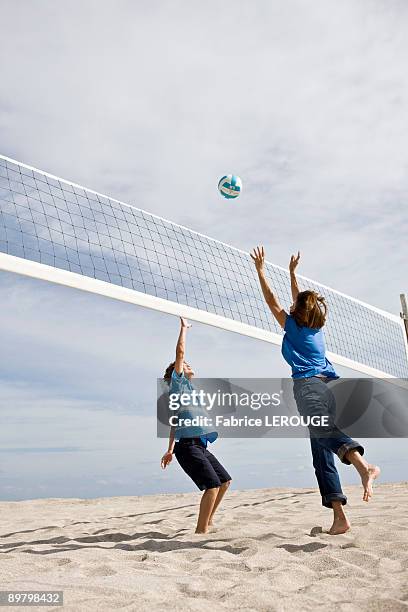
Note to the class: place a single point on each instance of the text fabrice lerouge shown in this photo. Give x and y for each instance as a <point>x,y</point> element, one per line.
<point>255,401</point>
<point>276,420</point>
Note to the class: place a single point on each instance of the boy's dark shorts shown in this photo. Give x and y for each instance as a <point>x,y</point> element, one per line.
<point>202,467</point>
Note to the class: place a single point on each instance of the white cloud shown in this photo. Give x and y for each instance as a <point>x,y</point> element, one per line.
<point>306,101</point>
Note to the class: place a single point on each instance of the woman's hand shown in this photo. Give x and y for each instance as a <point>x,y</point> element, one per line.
<point>166,459</point>
<point>258,257</point>
<point>294,260</point>
<point>185,323</point>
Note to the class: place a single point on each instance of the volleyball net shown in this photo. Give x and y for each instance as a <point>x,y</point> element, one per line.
<point>58,231</point>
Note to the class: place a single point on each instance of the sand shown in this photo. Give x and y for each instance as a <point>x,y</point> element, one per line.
<point>268,551</point>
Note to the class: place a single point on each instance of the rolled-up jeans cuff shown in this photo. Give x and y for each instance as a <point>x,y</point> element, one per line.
<point>345,448</point>
<point>331,497</point>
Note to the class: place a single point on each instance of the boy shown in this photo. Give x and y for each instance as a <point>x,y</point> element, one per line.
<point>189,444</point>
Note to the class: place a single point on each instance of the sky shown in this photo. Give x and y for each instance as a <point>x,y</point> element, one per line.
<point>151,103</point>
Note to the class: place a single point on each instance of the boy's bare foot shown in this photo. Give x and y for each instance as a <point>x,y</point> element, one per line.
<point>367,479</point>
<point>201,531</point>
<point>340,525</point>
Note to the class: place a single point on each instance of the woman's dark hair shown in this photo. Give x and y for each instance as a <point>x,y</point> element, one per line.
<point>310,310</point>
<point>169,371</point>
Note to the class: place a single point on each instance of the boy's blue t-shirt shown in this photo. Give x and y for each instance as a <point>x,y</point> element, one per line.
<point>304,350</point>
<point>180,384</point>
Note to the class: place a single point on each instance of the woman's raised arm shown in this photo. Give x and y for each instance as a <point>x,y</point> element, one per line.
<point>258,257</point>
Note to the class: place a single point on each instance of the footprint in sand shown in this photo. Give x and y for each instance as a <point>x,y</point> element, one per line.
<point>101,570</point>
<point>64,561</point>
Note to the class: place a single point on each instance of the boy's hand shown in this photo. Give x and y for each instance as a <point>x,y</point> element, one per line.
<point>294,260</point>
<point>166,459</point>
<point>258,257</point>
<point>185,323</point>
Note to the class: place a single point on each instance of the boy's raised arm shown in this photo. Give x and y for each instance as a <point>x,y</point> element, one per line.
<point>181,345</point>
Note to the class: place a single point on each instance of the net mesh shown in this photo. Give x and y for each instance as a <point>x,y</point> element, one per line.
<point>59,224</point>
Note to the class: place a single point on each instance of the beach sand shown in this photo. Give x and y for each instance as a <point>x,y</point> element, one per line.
<point>267,551</point>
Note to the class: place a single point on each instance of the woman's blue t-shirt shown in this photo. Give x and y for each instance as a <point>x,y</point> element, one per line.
<point>304,350</point>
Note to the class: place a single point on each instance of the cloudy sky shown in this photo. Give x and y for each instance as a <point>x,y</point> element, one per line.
<point>151,103</point>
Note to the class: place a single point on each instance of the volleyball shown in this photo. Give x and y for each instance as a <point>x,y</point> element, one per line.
<point>230,186</point>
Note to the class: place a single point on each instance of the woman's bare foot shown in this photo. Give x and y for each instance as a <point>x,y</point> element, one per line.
<point>367,478</point>
<point>201,531</point>
<point>340,525</point>
<point>368,473</point>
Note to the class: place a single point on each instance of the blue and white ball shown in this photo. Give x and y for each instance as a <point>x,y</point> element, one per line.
<point>230,186</point>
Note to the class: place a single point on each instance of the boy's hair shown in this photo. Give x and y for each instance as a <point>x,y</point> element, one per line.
<point>310,310</point>
<point>169,371</point>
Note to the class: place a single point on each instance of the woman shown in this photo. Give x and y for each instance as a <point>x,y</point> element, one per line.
<point>304,349</point>
<point>189,444</point>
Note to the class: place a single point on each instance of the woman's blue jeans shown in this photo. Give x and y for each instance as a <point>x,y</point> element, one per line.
<point>314,398</point>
